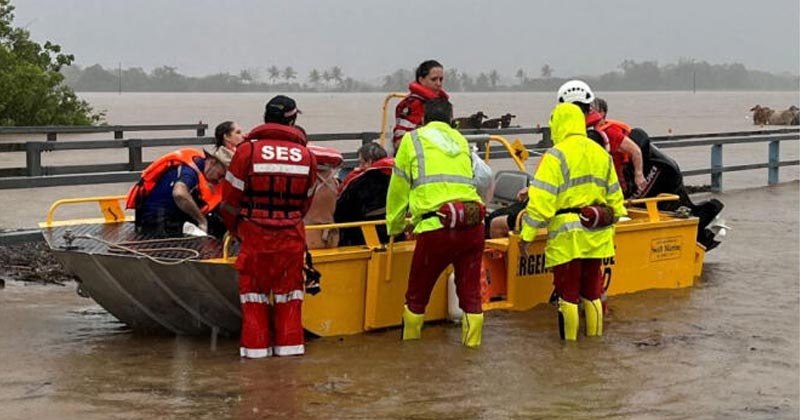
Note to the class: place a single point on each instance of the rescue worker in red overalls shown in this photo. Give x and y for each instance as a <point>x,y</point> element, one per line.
<point>409,113</point>
<point>434,180</point>
<point>267,191</point>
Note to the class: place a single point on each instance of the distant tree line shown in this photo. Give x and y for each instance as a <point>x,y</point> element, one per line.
<point>631,75</point>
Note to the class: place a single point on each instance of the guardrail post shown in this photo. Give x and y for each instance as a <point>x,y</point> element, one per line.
<point>135,155</point>
<point>546,141</point>
<point>201,130</point>
<point>716,168</point>
<point>774,159</point>
<point>33,158</point>
<point>117,134</point>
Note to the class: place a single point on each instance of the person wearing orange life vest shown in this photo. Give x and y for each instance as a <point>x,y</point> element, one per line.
<point>576,196</point>
<point>622,148</point>
<point>433,179</point>
<point>409,113</point>
<point>267,191</point>
<point>176,188</point>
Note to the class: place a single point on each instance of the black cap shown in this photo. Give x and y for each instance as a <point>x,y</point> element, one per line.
<point>280,108</point>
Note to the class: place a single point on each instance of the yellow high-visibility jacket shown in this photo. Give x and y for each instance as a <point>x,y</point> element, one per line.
<point>432,167</point>
<point>576,172</point>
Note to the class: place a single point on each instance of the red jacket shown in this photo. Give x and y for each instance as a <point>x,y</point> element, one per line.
<point>411,110</point>
<point>270,181</point>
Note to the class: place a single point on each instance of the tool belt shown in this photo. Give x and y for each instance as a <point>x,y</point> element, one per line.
<point>458,214</point>
<point>592,217</point>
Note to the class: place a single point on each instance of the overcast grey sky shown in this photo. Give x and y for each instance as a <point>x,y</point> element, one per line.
<point>371,38</point>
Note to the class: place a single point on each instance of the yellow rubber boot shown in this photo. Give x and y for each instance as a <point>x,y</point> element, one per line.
<point>567,320</point>
<point>471,330</point>
<point>412,324</point>
<point>594,317</point>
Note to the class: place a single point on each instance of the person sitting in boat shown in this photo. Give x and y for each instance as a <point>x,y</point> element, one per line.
<point>362,195</point>
<point>326,192</point>
<point>576,196</point>
<point>176,188</point>
<point>624,151</point>
<point>228,134</point>
<point>433,178</point>
<point>409,113</point>
<point>268,189</point>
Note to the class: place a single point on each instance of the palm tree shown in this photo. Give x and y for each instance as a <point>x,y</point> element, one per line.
<point>547,71</point>
<point>314,77</point>
<point>521,76</point>
<point>326,76</point>
<point>289,73</point>
<point>494,77</point>
<point>274,73</point>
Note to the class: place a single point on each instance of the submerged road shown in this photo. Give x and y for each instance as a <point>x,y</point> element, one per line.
<point>727,348</point>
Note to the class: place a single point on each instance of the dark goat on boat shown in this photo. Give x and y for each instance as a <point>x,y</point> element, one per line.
<point>473,121</point>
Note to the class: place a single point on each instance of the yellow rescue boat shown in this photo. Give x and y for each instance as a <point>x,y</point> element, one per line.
<point>189,285</point>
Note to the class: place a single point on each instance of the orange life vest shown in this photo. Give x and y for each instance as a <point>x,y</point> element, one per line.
<point>153,173</point>
<point>623,126</point>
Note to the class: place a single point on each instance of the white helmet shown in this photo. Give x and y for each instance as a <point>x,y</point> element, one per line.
<point>575,91</point>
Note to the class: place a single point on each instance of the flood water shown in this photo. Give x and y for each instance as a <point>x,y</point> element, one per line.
<point>729,347</point>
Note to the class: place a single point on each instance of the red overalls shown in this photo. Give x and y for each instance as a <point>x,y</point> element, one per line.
<point>267,190</point>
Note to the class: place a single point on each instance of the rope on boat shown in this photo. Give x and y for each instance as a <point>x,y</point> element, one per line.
<point>143,252</point>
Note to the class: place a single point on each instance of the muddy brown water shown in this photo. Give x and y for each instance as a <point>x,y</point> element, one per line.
<point>726,348</point>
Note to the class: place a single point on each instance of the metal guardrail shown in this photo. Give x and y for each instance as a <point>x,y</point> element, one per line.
<point>52,131</point>
<point>34,174</point>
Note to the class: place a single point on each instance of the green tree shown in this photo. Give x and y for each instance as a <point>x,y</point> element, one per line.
<point>521,76</point>
<point>314,77</point>
<point>289,73</point>
<point>546,72</point>
<point>273,73</point>
<point>33,92</point>
<point>494,77</point>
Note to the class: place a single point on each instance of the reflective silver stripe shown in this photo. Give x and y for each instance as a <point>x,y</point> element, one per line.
<point>255,353</point>
<point>401,173</point>
<point>528,220</point>
<point>569,226</point>
<point>587,179</point>
<point>235,182</point>
<point>552,189</point>
<point>558,154</point>
<point>419,152</point>
<point>293,295</point>
<point>453,179</point>
<point>281,168</point>
<point>612,189</point>
<point>289,350</point>
<point>402,122</point>
<point>253,298</point>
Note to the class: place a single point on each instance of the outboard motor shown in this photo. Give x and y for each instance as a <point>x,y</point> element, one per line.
<point>663,175</point>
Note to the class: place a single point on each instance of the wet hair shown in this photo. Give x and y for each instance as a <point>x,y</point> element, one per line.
<point>221,131</point>
<point>601,105</point>
<point>438,109</point>
<point>372,152</point>
<point>425,68</point>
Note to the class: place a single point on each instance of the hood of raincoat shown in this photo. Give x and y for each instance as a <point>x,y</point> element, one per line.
<point>567,120</point>
<point>438,133</point>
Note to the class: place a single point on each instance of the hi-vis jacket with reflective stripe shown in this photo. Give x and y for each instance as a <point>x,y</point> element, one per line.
<point>432,167</point>
<point>575,173</point>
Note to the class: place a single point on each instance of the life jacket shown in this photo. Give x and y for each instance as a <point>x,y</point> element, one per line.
<point>624,127</point>
<point>281,183</point>
<point>153,173</point>
<point>410,111</point>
